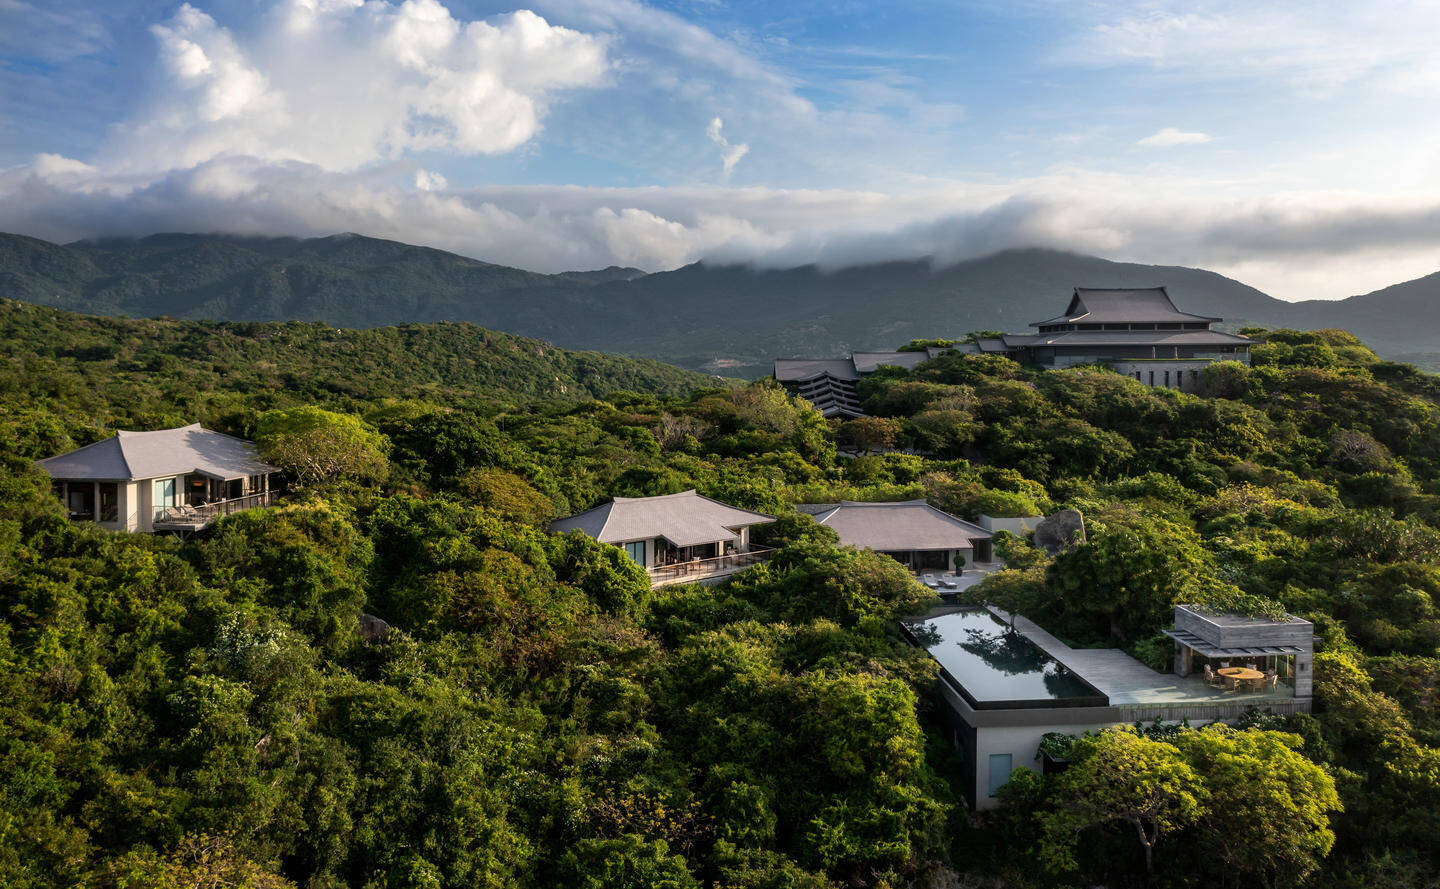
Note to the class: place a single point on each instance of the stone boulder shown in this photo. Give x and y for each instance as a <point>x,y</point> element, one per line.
<point>372,628</point>
<point>1059,532</point>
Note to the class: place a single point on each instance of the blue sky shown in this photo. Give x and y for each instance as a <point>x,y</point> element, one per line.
<point>1292,145</point>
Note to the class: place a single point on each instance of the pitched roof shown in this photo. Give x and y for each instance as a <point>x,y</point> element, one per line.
<point>684,519</point>
<point>130,456</point>
<point>789,370</point>
<point>1140,305</point>
<point>1111,338</point>
<point>869,362</point>
<point>896,527</point>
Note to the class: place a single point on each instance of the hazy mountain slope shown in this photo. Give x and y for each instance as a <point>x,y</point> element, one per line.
<point>1400,321</point>
<point>732,319</point>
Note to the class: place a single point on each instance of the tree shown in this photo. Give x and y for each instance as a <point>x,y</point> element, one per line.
<point>1133,568</point>
<point>867,434</point>
<point>315,445</point>
<point>1261,780</point>
<point>1119,777</point>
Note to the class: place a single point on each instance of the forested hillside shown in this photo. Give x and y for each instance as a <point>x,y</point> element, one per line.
<point>154,371</point>
<point>208,712</point>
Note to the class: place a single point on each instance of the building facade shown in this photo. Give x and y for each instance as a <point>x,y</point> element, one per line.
<point>1138,332</point>
<point>164,480</point>
<point>676,538</point>
<point>1008,683</point>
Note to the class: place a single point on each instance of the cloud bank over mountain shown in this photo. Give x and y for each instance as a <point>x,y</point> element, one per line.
<point>318,116</point>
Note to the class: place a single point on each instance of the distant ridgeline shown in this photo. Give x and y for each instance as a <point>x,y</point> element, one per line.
<point>355,281</point>
<point>1138,332</point>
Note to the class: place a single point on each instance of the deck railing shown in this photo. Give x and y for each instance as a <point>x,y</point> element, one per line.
<point>699,569</point>
<point>208,513</point>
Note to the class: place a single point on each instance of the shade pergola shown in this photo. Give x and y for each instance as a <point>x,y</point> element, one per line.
<point>1209,650</point>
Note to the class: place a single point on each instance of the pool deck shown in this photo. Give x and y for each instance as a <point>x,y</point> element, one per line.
<point>1127,682</point>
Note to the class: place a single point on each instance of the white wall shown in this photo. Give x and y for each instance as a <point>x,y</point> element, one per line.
<point>1018,526</point>
<point>1021,743</point>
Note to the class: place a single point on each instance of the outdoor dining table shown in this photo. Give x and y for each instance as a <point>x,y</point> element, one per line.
<point>1236,675</point>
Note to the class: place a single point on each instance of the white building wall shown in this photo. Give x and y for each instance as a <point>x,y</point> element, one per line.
<point>1018,526</point>
<point>129,506</point>
<point>1022,743</point>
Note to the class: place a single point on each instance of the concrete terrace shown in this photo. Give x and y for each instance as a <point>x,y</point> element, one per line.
<point>1129,683</point>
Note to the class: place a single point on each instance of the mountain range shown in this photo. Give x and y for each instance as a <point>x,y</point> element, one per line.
<point>726,319</point>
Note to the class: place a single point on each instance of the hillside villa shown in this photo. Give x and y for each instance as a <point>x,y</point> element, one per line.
<point>1138,332</point>
<point>179,480</point>
<point>912,532</point>
<point>677,538</point>
<point>1007,688</point>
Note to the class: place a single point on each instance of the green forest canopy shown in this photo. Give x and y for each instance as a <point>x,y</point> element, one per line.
<point>205,712</point>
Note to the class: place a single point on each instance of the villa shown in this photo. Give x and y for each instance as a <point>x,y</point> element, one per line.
<point>1007,688</point>
<point>677,538</point>
<point>179,480</point>
<point>912,532</point>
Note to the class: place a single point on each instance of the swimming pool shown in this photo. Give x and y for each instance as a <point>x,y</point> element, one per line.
<point>996,668</point>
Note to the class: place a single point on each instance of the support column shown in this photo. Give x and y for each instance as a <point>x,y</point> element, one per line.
<point>1182,659</point>
<point>1304,676</point>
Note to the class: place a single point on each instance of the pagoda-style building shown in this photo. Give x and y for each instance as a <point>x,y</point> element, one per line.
<point>1137,332</point>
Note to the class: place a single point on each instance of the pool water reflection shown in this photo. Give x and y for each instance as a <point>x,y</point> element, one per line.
<point>997,668</point>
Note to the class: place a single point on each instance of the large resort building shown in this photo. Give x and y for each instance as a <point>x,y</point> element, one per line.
<point>1138,332</point>
<point>180,480</point>
<point>829,383</point>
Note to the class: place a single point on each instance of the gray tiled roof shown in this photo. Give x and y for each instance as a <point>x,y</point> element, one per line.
<point>869,362</point>
<point>790,370</point>
<point>1112,338</point>
<point>1136,305</point>
<point>130,456</point>
<point>684,519</point>
<point>896,527</point>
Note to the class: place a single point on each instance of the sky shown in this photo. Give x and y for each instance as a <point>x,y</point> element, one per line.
<point>1294,146</point>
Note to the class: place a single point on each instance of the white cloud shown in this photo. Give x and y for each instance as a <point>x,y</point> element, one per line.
<point>426,180</point>
<point>731,153</point>
<point>1345,243</point>
<point>1315,46</point>
<point>341,84</point>
<point>1170,137</point>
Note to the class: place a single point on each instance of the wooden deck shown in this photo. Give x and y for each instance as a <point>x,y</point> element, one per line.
<point>198,518</point>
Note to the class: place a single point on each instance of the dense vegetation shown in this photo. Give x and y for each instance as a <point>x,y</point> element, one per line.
<point>220,711</point>
<point>727,319</point>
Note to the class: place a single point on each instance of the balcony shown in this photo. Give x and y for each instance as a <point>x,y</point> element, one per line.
<point>195,518</point>
<point>703,570</point>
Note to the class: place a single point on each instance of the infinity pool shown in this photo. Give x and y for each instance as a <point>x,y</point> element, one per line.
<point>995,668</point>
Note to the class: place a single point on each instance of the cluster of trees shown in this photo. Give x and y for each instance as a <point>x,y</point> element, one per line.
<point>397,678</point>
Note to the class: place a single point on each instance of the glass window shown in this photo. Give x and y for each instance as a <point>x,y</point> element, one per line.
<point>636,551</point>
<point>999,772</point>
<point>109,502</point>
<point>82,501</point>
<point>164,495</point>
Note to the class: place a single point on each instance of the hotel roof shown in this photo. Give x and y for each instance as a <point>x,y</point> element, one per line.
<point>131,456</point>
<point>684,519</point>
<point>898,527</point>
<point>1148,305</point>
